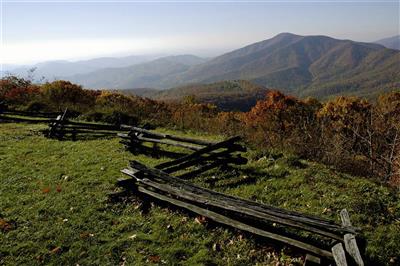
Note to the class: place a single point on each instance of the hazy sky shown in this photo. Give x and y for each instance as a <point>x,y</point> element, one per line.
<point>49,30</point>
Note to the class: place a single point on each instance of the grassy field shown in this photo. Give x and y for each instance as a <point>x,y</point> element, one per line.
<point>54,207</point>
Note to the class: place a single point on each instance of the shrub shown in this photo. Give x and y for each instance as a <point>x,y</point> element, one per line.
<point>62,94</point>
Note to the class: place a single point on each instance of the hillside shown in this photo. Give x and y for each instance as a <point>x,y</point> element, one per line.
<point>237,95</point>
<point>55,69</point>
<point>149,74</point>
<point>391,42</point>
<point>55,209</point>
<point>303,64</point>
<point>317,66</point>
<point>142,92</point>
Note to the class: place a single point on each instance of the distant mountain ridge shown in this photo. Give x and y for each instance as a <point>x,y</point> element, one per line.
<point>148,74</point>
<point>391,42</point>
<point>318,66</point>
<point>61,68</point>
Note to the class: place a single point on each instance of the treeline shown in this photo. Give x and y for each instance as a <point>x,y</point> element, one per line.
<point>350,133</point>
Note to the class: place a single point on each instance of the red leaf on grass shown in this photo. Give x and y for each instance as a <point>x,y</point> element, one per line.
<point>5,226</point>
<point>154,259</point>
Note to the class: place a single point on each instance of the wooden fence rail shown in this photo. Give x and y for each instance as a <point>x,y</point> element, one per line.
<point>244,214</point>
<point>167,183</point>
<point>29,113</point>
<point>205,155</point>
<point>62,127</point>
<point>8,115</point>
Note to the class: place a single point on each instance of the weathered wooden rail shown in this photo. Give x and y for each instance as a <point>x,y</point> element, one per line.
<point>61,127</point>
<point>17,116</point>
<point>247,215</point>
<point>203,156</point>
<point>30,113</point>
<point>138,140</point>
<point>59,124</point>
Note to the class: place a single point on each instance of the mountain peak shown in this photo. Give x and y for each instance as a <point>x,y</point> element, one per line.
<point>287,34</point>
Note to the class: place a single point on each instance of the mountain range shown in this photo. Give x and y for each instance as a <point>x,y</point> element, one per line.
<point>318,66</point>
<point>51,70</point>
<point>149,74</point>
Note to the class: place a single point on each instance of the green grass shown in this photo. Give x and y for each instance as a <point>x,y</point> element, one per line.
<point>55,210</point>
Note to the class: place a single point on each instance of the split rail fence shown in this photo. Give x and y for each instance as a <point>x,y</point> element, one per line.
<point>16,116</point>
<point>166,182</point>
<point>61,128</point>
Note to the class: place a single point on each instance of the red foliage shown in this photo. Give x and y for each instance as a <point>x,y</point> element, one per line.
<point>17,90</point>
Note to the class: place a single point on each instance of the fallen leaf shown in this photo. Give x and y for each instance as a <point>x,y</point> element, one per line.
<point>58,188</point>
<point>325,210</point>
<point>5,226</point>
<point>39,258</point>
<point>154,259</point>
<point>56,250</point>
<point>84,235</point>
<point>46,190</point>
<point>200,219</point>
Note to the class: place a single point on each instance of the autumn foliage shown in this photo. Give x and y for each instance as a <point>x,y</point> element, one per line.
<point>349,133</point>
<point>17,90</point>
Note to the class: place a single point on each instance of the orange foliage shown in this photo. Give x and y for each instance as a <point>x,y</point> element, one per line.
<point>346,112</point>
<point>62,94</point>
<point>277,120</point>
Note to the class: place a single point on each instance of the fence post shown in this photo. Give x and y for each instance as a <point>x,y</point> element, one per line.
<point>350,242</point>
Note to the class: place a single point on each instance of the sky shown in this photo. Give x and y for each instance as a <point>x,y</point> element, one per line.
<point>35,31</point>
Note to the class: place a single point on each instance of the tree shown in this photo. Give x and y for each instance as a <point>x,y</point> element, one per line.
<point>388,129</point>
<point>61,94</point>
<point>279,121</point>
<point>17,91</point>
